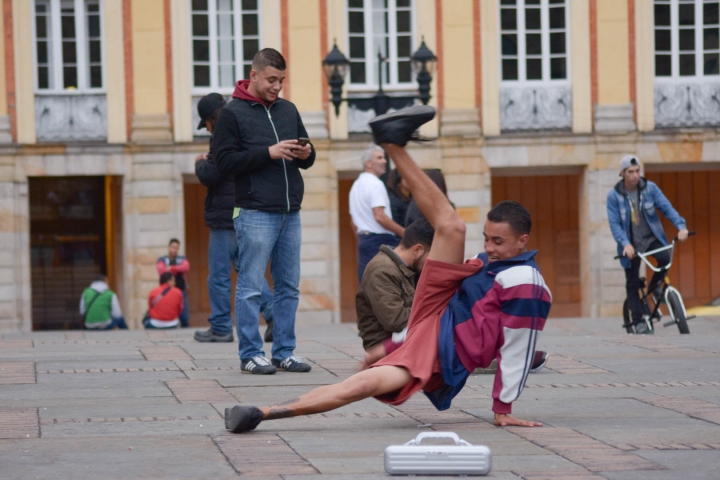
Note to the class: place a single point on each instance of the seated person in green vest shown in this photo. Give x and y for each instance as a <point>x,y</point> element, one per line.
<point>165,304</point>
<point>100,307</point>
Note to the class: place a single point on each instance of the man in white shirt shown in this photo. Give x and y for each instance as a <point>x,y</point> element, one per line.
<point>370,209</point>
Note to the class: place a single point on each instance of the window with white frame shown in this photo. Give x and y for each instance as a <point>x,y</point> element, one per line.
<point>68,46</point>
<point>385,27</point>
<point>225,38</point>
<point>534,40</point>
<point>686,38</point>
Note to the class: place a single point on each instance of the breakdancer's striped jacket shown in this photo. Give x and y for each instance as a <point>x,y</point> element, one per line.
<point>496,313</point>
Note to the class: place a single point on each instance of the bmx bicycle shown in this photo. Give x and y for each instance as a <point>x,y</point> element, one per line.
<point>650,302</point>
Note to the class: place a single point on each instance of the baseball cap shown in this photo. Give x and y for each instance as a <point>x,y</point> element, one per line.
<point>207,105</point>
<point>628,161</point>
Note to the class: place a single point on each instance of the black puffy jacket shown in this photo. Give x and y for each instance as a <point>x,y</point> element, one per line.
<point>220,197</point>
<point>243,132</point>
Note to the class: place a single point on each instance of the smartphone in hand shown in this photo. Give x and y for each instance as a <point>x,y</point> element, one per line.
<point>302,141</point>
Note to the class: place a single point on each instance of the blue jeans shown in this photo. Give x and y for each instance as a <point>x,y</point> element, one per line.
<point>263,237</point>
<point>222,253</point>
<point>116,322</point>
<point>185,311</point>
<point>369,245</point>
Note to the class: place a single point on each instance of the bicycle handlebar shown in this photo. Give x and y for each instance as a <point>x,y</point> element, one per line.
<point>616,257</point>
<point>689,235</point>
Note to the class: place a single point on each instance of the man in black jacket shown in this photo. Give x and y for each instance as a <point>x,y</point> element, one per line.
<point>256,140</point>
<point>222,245</point>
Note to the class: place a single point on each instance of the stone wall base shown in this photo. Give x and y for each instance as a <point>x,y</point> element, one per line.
<point>151,129</point>
<point>460,122</point>
<point>5,129</point>
<point>614,118</point>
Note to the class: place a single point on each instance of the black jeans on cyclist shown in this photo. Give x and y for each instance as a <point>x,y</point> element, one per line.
<point>632,278</point>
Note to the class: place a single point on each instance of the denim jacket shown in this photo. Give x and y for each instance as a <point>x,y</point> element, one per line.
<point>652,200</point>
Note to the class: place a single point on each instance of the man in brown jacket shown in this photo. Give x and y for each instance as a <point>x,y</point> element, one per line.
<point>387,289</point>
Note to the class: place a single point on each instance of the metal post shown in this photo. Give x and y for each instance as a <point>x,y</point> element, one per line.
<point>381,100</point>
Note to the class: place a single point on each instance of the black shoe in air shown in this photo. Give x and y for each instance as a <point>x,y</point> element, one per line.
<point>398,128</point>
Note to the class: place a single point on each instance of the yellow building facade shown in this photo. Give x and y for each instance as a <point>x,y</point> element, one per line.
<point>537,101</point>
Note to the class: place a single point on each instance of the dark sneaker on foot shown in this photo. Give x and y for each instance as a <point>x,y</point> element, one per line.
<point>209,336</point>
<point>240,419</point>
<point>539,361</point>
<point>257,366</point>
<point>642,329</point>
<point>292,364</point>
<point>399,127</point>
<point>268,332</point>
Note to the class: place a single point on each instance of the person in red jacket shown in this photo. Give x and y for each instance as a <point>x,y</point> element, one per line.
<point>165,304</point>
<point>178,266</point>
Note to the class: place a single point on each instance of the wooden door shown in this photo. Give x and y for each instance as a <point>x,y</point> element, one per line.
<point>553,202</point>
<point>197,236</point>
<point>348,254</point>
<point>696,263</point>
<point>67,246</point>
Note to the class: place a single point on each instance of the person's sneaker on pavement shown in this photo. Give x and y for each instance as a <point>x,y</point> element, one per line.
<point>242,419</point>
<point>292,364</point>
<point>210,336</point>
<point>642,329</point>
<point>539,361</point>
<point>399,127</point>
<point>257,366</point>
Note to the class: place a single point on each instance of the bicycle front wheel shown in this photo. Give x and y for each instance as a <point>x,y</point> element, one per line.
<point>677,311</point>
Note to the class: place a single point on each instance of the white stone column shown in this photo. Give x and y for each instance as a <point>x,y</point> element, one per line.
<point>319,268</point>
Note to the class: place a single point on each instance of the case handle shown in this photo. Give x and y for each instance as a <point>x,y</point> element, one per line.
<point>451,435</point>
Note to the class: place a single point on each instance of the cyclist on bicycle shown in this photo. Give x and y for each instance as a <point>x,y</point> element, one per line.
<point>632,213</point>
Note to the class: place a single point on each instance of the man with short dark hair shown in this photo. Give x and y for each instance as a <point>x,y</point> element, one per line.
<point>257,140</point>
<point>178,266</point>
<point>222,244</point>
<point>632,206</point>
<point>387,289</point>
<point>465,314</point>
<point>100,307</point>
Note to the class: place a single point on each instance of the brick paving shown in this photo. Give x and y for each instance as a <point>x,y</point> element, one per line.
<point>692,407</point>
<point>613,406</point>
<point>199,391</point>
<point>583,450</point>
<point>262,454</point>
<point>562,364</point>
<point>164,353</point>
<point>19,423</point>
<point>21,372</point>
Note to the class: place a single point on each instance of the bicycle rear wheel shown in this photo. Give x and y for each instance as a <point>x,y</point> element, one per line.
<point>677,311</point>
<point>627,318</point>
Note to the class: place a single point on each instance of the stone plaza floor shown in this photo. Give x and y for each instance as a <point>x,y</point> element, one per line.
<point>148,404</point>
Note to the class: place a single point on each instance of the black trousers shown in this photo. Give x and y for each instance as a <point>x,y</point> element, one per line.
<point>369,245</point>
<point>632,279</point>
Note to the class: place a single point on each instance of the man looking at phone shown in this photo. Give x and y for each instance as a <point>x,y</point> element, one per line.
<point>632,207</point>
<point>256,140</point>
